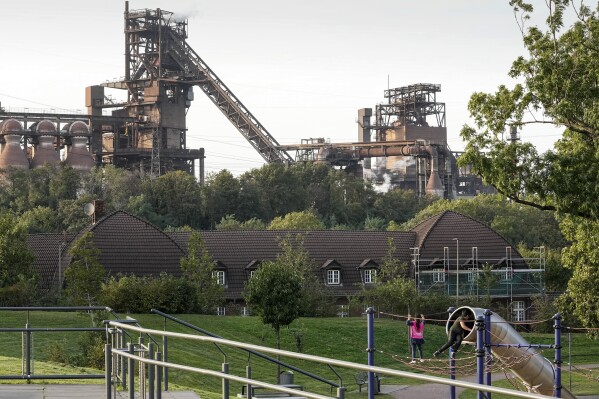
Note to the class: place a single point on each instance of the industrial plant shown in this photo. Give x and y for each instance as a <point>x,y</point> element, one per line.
<point>402,143</point>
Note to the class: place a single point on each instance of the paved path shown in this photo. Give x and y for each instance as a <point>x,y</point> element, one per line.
<point>48,391</point>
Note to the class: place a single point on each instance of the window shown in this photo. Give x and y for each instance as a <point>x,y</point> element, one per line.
<point>219,275</point>
<point>220,311</point>
<point>252,273</point>
<point>333,276</point>
<point>245,311</point>
<point>519,310</point>
<point>471,275</point>
<point>369,276</point>
<point>505,274</point>
<point>343,311</point>
<point>438,276</point>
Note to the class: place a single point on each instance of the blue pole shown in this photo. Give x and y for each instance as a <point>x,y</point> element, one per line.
<point>557,326</point>
<point>488,314</point>
<point>480,353</point>
<point>370,350</point>
<point>452,392</point>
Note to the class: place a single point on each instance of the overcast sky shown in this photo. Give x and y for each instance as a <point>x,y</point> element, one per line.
<point>303,68</point>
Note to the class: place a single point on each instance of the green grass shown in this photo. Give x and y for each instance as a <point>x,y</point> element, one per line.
<point>343,339</point>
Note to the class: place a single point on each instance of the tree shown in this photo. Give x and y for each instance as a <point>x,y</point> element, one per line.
<point>221,195</point>
<point>393,291</point>
<point>17,280</point>
<point>305,220</point>
<point>274,294</point>
<point>198,267</point>
<point>84,275</point>
<point>293,253</point>
<point>557,86</point>
<point>175,196</point>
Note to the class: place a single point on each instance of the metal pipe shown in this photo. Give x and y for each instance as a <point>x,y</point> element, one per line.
<point>488,314</point>
<point>131,370</point>
<point>108,370</point>
<point>225,382</point>
<point>480,353</point>
<point>558,355</point>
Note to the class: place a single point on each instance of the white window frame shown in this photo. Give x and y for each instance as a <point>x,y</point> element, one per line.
<point>369,276</point>
<point>333,277</point>
<point>219,275</point>
<point>470,275</point>
<point>252,273</point>
<point>519,310</point>
<point>221,311</point>
<point>343,311</point>
<point>245,311</point>
<point>505,273</point>
<point>438,275</point>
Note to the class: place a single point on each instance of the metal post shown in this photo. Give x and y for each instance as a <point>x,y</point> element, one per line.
<point>108,369</point>
<point>123,360</point>
<point>557,326</point>
<point>370,331</point>
<point>165,357</point>
<point>488,314</point>
<point>480,352</point>
<point>159,370</point>
<point>131,370</point>
<point>457,269</point>
<point>225,384</point>
<point>341,393</point>
<point>27,352</point>
<point>570,358</point>
<point>151,371</point>
<point>451,361</point>
<point>248,375</point>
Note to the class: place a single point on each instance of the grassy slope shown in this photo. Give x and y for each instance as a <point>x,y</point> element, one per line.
<point>336,338</point>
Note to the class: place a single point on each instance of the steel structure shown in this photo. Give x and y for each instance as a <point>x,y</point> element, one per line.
<point>161,69</point>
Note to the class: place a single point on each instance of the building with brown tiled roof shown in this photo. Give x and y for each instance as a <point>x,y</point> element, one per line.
<point>345,260</point>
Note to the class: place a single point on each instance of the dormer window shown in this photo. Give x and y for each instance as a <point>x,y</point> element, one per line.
<point>219,273</point>
<point>368,270</point>
<point>332,272</point>
<point>252,267</point>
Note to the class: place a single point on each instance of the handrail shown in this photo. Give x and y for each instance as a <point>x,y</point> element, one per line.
<point>270,359</point>
<point>318,359</point>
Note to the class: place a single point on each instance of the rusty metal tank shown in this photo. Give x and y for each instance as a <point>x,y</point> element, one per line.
<point>45,127</point>
<point>78,128</point>
<point>78,156</point>
<point>12,153</point>
<point>11,126</point>
<point>45,152</point>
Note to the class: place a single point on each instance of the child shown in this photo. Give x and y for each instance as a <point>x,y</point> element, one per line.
<point>456,333</point>
<point>416,336</point>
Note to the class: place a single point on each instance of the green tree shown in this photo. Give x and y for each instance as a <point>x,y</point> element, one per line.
<point>198,267</point>
<point>17,279</point>
<point>400,206</point>
<point>84,275</point>
<point>305,220</point>
<point>220,195</point>
<point>393,290</point>
<point>274,294</point>
<point>315,301</point>
<point>557,86</point>
<point>175,196</point>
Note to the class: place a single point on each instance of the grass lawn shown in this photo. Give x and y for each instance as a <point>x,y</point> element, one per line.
<point>339,338</point>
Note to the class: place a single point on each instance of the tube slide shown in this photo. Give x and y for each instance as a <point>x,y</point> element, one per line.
<point>524,362</point>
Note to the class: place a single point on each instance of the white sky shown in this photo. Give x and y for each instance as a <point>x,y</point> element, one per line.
<point>303,68</point>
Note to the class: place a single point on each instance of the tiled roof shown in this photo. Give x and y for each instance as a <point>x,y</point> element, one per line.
<point>440,230</point>
<point>238,248</point>
<point>47,248</point>
<point>129,244</point>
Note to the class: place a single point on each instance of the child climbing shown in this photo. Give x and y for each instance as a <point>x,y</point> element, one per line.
<point>416,335</point>
<point>456,333</point>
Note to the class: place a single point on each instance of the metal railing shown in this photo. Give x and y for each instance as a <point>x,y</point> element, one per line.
<point>27,342</point>
<point>151,367</point>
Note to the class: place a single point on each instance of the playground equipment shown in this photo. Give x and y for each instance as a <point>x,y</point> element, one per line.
<point>504,342</point>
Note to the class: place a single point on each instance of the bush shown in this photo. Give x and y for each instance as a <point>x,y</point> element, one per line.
<point>134,294</point>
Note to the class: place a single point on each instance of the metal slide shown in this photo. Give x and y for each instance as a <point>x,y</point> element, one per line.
<point>524,362</point>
